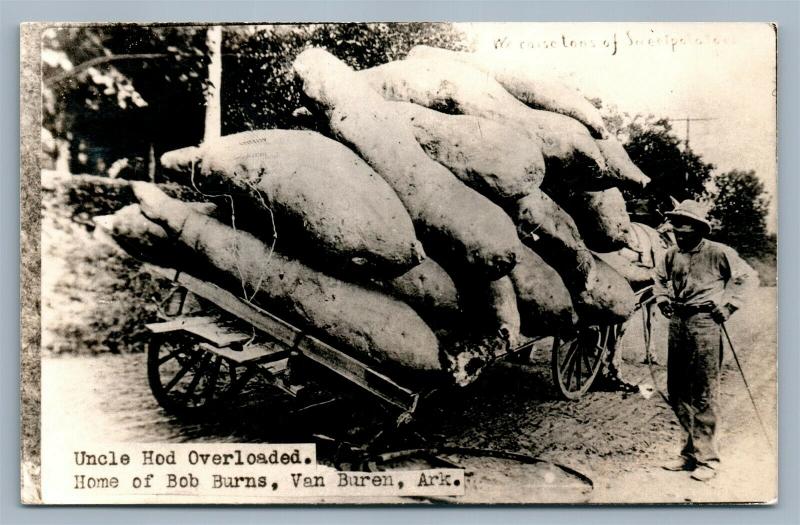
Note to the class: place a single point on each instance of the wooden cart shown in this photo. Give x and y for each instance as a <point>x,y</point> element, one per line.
<point>577,359</point>
<point>201,356</point>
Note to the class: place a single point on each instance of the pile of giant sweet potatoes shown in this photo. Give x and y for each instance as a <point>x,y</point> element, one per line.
<point>450,208</point>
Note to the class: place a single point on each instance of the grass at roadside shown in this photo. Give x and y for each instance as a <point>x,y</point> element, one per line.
<point>94,297</point>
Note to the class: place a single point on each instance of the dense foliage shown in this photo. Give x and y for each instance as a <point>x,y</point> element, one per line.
<point>739,211</point>
<point>116,92</point>
<point>676,172</point>
<point>737,200</point>
<point>133,92</point>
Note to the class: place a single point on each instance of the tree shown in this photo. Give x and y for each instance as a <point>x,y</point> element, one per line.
<point>259,88</point>
<point>123,91</point>
<point>675,171</point>
<point>739,211</point>
<point>136,91</point>
<point>737,199</point>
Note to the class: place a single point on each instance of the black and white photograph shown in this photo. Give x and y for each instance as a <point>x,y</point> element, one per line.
<point>399,263</point>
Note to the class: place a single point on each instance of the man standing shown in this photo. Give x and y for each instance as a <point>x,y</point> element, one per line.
<point>699,283</point>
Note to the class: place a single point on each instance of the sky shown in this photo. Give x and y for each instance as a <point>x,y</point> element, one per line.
<point>719,71</point>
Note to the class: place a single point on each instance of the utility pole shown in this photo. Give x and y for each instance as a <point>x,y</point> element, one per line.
<point>688,121</point>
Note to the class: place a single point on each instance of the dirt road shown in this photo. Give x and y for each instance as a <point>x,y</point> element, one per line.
<point>618,440</point>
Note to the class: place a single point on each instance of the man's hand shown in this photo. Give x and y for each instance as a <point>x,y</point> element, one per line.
<point>722,313</point>
<point>666,309</point>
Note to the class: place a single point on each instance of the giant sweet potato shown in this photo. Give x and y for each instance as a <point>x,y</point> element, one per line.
<point>608,300</point>
<point>474,324</point>
<point>489,325</point>
<point>323,199</point>
<point>475,319</point>
<point>546,228</point>
<point>456,224</point>
<point>598,292</point>
<point>535,88</point>
<point>368,322</point>
<point>490,308</point>
<point>503,302</point>
<point>430,291</point>
<point>544,302</point>
<point>622,261</point>
<point>601,216</point>
<point>455,87</point>
<point>619,165</point>
<point>138,235</point>
<point>499,161</point>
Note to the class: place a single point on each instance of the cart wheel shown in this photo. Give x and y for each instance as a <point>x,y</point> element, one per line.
<point>187,380</point>
<point>577,360</point>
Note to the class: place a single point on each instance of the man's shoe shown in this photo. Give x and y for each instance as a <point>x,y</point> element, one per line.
<point>703,473</point>
<point>617,384</point>
<point>680,464</point>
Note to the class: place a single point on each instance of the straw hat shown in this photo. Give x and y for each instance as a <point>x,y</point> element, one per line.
<point>692,210</point>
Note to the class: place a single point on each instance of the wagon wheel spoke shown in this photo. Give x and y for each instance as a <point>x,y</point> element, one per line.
<point>212,380</point>
<point>182,372</point>
<point>588,363</point>
<point>244,376</point>
<point>610,336</point>
<point>571,366</point>
<point>243,379</point>
<point>174,354</point>
<point>232,372</point>
<point>582,363</point>
<point>566,364</point>
<point>197,376</point>
<point>570,352</point>
<point>575,364</point>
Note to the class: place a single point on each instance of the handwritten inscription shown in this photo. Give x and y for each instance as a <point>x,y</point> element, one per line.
<point>616,42</point>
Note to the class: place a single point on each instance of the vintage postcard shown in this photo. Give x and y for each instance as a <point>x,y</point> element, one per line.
<point>399,263</point>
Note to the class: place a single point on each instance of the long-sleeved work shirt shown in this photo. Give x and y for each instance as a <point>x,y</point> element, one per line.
<point>710,271</point>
